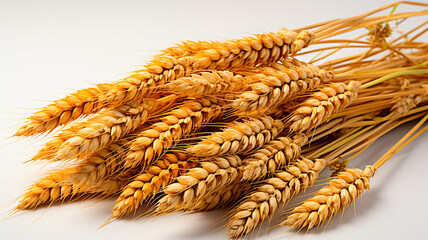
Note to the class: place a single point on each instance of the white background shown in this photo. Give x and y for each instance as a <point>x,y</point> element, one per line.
<point>49,48</point>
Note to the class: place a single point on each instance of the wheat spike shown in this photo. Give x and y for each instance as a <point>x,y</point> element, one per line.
<point>277,84</point>
<point>238,137</point>
<point>54,187</point>
<point>83,138</point>
<point>154,178</point>
<point>62,111</point>
<point>198,183</point>
<point>260,49</point>
<point>303,39</point>
<point>330,200</point>
<point>272,156</point>
<point>103,129</point>
<point>262,203</point>
<point>322,105</point>
<point>192,115</point>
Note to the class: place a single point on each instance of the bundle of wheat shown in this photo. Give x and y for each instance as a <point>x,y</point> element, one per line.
<point>240,122</point>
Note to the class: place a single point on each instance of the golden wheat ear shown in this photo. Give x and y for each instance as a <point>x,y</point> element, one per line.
<point>250,51</point>
<point>330,200</point>
<point>55,187</point>
<point>63,111</point>
<point>214,174</point>
<point>164,171</point>
<point>276,84</point>
<point>322,105</point>
<point>272,156</point>
<point>260,204</point>
<point>238,137</point>
<point>83,138</point>
<point>138,85</point>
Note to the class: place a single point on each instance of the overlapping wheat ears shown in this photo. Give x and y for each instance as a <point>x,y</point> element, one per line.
<point>241,122</point>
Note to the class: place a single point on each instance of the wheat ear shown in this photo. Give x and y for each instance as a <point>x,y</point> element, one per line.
<point>62,111</point>
<point>262,203</point>
<point>272,156</point>
<point>278,83</point>
<point>150,144</point>
<point>198,183</point>
<point>330,200</point>
<point>322,105</point>
<point>251,51</point>
<point>155,177</point>
<point>188,48</point>
<point>103,129</point>
<point>238,137</point>
<point>83,138</point>
<point>54,187</point>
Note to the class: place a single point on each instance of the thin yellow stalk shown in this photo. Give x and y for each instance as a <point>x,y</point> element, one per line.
<point>339,142</point>
<point>411,71</point>
<point>388,155</point>
<point>365,22</point>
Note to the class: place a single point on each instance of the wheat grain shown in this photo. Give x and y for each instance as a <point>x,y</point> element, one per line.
<point>238,137</point>
<point>179,122</point>
<point>303,39</point>
<point>332,199</point>
<point>322,105</point>
<point>262,202</point>
<point>271,156</point>
<point>207,83</point>
<point>221,198</point>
